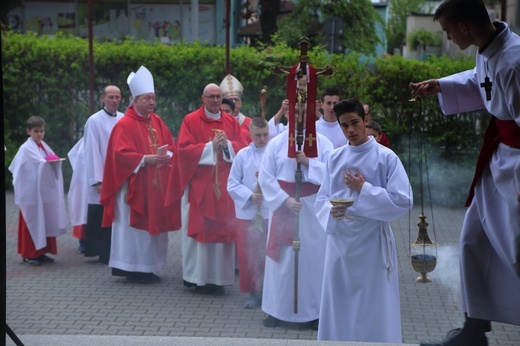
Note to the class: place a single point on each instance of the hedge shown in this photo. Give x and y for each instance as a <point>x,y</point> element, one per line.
<point>49,77</point>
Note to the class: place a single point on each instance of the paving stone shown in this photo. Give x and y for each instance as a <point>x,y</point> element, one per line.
<point>78,296</point>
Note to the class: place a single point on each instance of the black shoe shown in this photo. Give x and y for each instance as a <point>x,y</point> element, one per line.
<point>206,289</point>
<point>210,289</point>
<point>142,278</point>
<point>45,259</point>
<point>460,337</point>
<point>119,272</point>
<point>314,324</point>
<point>188,284</point>
<point>217,290</point>
<point>32,262</point>
<point>271,322</point>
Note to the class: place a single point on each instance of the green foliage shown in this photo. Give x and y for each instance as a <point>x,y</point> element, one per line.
<point>303,21</point>
<point>421,37</point>
<point>398,11</point>
<point>358,16</point>
<point>49,77</point>
<point>360,19</point>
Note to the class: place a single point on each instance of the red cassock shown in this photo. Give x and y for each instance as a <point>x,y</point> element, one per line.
<point>211,215</point>
<point>132,137</point>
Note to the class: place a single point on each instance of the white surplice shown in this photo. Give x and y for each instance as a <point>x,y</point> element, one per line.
<point>78,189</point>
<point>490,237</point>
<point>332,131</point>
<point>277,298</point>
<point>242,182</point>
<point>38,192</point>
<point>96,135</point>
<point>360,297</point>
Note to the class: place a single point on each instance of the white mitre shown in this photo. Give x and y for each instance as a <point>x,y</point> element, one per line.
<point>140,82</point>
<point>231,86</point>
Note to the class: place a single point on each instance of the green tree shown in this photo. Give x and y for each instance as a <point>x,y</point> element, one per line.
<point>399,10</point>
<point>421,37</point>
<point>359,16</point>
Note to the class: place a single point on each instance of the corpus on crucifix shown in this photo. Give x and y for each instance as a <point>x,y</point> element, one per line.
<point>290,178</point>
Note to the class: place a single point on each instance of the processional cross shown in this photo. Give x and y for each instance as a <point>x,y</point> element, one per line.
<point>303,94</point>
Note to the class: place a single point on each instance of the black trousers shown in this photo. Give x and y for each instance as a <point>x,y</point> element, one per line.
<point>98,239</point>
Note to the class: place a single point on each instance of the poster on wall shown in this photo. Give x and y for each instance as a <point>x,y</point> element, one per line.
<point>169,23</point>
<point>45,18</point>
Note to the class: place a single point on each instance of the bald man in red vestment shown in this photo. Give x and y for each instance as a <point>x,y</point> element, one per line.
<point>207,142</point>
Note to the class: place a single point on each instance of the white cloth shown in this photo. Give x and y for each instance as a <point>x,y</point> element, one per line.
<point>132,249</point>
<point>243,182</point>
<point>332,131</point>
<point>360,281</point>
<point>278,294</point>
<point>78,189</point>
<point>38,192</point>
<point>213,263</point>
<point>490,283</point>
<point>275,129</point>
<point>96,134</point>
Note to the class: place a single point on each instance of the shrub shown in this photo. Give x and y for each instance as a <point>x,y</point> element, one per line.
<point>49,77</point>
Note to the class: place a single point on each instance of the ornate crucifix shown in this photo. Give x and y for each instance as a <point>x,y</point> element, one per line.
<point>301,92</point>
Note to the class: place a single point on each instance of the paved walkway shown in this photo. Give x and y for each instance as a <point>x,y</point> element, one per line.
<point>75,301</point>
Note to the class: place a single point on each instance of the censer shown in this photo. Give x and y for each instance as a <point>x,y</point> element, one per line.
<point>423,251</point>
<point>422,258</point>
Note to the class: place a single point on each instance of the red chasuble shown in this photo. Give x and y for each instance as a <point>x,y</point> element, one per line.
<point>212,214</point>
<point>132,137</point>
<point>245,129</point>
<point>384,140</point>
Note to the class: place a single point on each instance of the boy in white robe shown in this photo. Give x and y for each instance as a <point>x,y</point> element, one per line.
<point>490,236</point>
<point>78,192</point>
<point>360,294</point>
<point>328,125</point>
<point>38,192</point>
<point>251,212</point>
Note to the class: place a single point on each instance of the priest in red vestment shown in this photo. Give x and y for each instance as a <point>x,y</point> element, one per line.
<point>207,142</point>
<point>135,178</point>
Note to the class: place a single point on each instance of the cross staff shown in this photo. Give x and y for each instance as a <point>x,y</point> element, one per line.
<point>302,95</point>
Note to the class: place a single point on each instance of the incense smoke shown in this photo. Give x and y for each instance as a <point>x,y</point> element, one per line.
<point>447,271</point>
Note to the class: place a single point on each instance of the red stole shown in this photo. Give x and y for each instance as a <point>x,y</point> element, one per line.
<point>133,137</point>
<point>283,221</point>
<point>505,131</point>
<point>310,142</point>
<point>212,213</point>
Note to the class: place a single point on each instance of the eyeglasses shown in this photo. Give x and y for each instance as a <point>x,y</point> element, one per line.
<point>213,97</point>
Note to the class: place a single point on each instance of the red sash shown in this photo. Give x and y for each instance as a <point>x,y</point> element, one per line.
<point>505,131</point>
<point>283,222</point>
